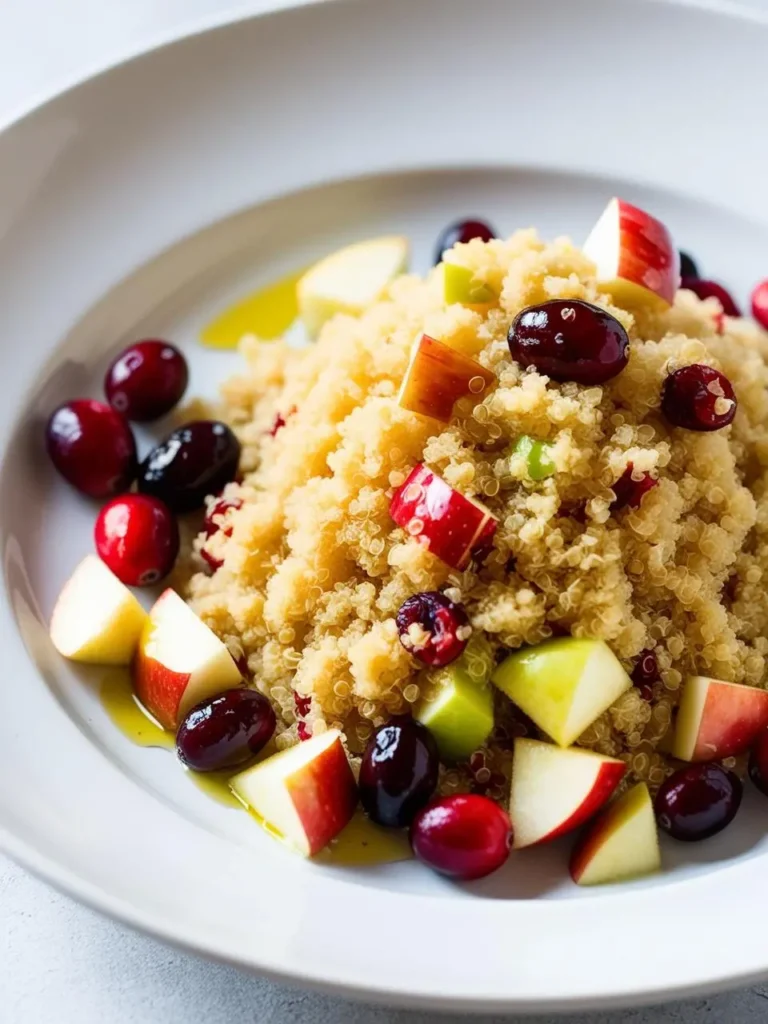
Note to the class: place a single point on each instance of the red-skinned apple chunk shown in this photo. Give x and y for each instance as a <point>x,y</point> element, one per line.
<point>636,259</point>
<point>718,719</point>
<point>449,524</point>
<point>438,376</point>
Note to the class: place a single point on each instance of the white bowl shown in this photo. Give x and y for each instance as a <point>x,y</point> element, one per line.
<point>136,204</point>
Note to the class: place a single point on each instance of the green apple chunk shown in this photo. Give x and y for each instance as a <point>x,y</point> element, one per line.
<point>537,455</point>
<point>563,684</point>
<point>461,285</point>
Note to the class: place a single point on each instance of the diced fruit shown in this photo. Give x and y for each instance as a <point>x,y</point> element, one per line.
<point>688,268</point>
<point>698,397</point>
<point>196,460</point>
<point>698,802</point>
<point>350,280</point>
<point>179,661</point>
<point>305,794</point>
<point>96,619</point>
<point>718,719</point>
<point>711,290</point>
<point>225,731</point>
<point>137,537</point>
<point>630,492</point>
<point>568,339</point>
<point>645,673</point>
<point>452,526</point>
<point>146,380</point>
<point>758,762</point>
<point>537,455</point>
<point>92,447</point>
<point>438,376</point>
<point>464,837</point>
<point>462,231</point>
<point>398,773</point>
<point>555,791</point>
<point>563,684</point>
<point>432,628</point>
<point>636,259</point>
<point>216,521</point>
<point>460,716</point>
<point>760,303</point>
<point>267,313</point>
<point>622,843</point>
<point>461,285</point>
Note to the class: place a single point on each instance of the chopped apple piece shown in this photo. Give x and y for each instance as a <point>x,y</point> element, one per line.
<point>179,661</point>
<point>622,843</point>
<point>563,684</point>
<point>453,527</point>
<point>461,285</point>
<point>718,719</point>
<point>438,376</point>
<point>97,619</point>
<point>350,280</point>
<point>537,455</point>
<point>305,795</point>
<point>461,715</point>
<point>555,791</point>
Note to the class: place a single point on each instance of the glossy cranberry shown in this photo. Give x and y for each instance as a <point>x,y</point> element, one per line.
<point>92,447</point>
<point>698,802</point>
<point>688,268</point>
<point>225,731</point>
<point>758,762</point>
<point>196,460</point>
<point>398,773</point>
<point>760,303</point>
<point>698,397</point>
<point>137,538</point>
<point>567,339</point>
<point>442,628</point>
<point>630,492</point>
<point>464,837</point>
<point>146,380</point>
<point>711,290</point>
<point>462,231</point>
<point>645,673</point>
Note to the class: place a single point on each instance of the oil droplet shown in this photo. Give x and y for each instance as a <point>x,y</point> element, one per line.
<point>363,843</point>
<point>216,786</point>
<point>124,710</point>
<point>268,313</point>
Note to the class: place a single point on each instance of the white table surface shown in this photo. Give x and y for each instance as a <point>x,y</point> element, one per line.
<point>58,961</point>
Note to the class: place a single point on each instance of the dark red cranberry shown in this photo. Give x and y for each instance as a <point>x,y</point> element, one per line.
<point>92,447</point>
<point>758,762</point>
<point>215,520</point>
<point>464,836</point>
<point>225,731</point>
<point>398,773</point>
<point>462,231</point>
<point>645,673</point>
<point>688,268</point>
<point>194,461</point>
<point>137,538</point>
<point>303,732</point>
<point>698,802</point>
<point>691,396</point>
<point>279,421</point>
<point>567,339</point>
<point>711,290</point>
<point>445,624</point>
<point>760,303</point>
<point>146,380</point>
<point>303,704</point>
<point>630,492</point>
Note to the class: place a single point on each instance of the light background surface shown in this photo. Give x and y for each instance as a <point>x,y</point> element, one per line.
<point>58,961</point>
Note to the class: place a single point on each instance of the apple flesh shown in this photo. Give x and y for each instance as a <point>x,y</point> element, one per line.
<point>636,259</point>
<point>438,376</point>
<point>96,620</point>
<point>461,715</point>
<point>537,455</point>
<point>563,684</point>
<point>179,661</point>
<point>350,280</point>
<point>622,843</point>
<point>304,795</point>
<point>449,524</point>
<point>555,791</point>
<point>717,719</point>
<point>461,285</point>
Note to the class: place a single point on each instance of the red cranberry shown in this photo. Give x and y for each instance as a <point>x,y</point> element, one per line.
<point>279,421</point>
<point>194,461</point>
<point>225,731</point>
<point>698,802</point>
<point>688,268</point>
<point>645,673</point>
<point>464,837</point>
<point>215,521</point>
<point>137,537</point>
<point>760,303</point>
<point>758,762</point>
<point>146,380</point>
<point>629,492</point>
<point>691,396</point>
<point>567,339</point>
<point>711,290</point>
<point>462,231</point>
<point>445,624</point>
<point>92,447</point>
<point>303,732</point>
<point>398,773</point>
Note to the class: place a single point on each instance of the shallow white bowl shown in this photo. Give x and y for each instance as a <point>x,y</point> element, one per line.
<point>138,203</point>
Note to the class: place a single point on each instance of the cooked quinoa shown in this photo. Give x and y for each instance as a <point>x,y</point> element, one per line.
<point>314,569</point>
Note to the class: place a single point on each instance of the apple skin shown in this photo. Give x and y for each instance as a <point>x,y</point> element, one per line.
<point>437,377</point>
<point>460,285</point>
<point>636,259</point>
<point>325,796</point>
<point>718,719</point>
<point>622,842</point>
<point>461,716</point>
<point>537,767</point>
<point>450,525</point>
